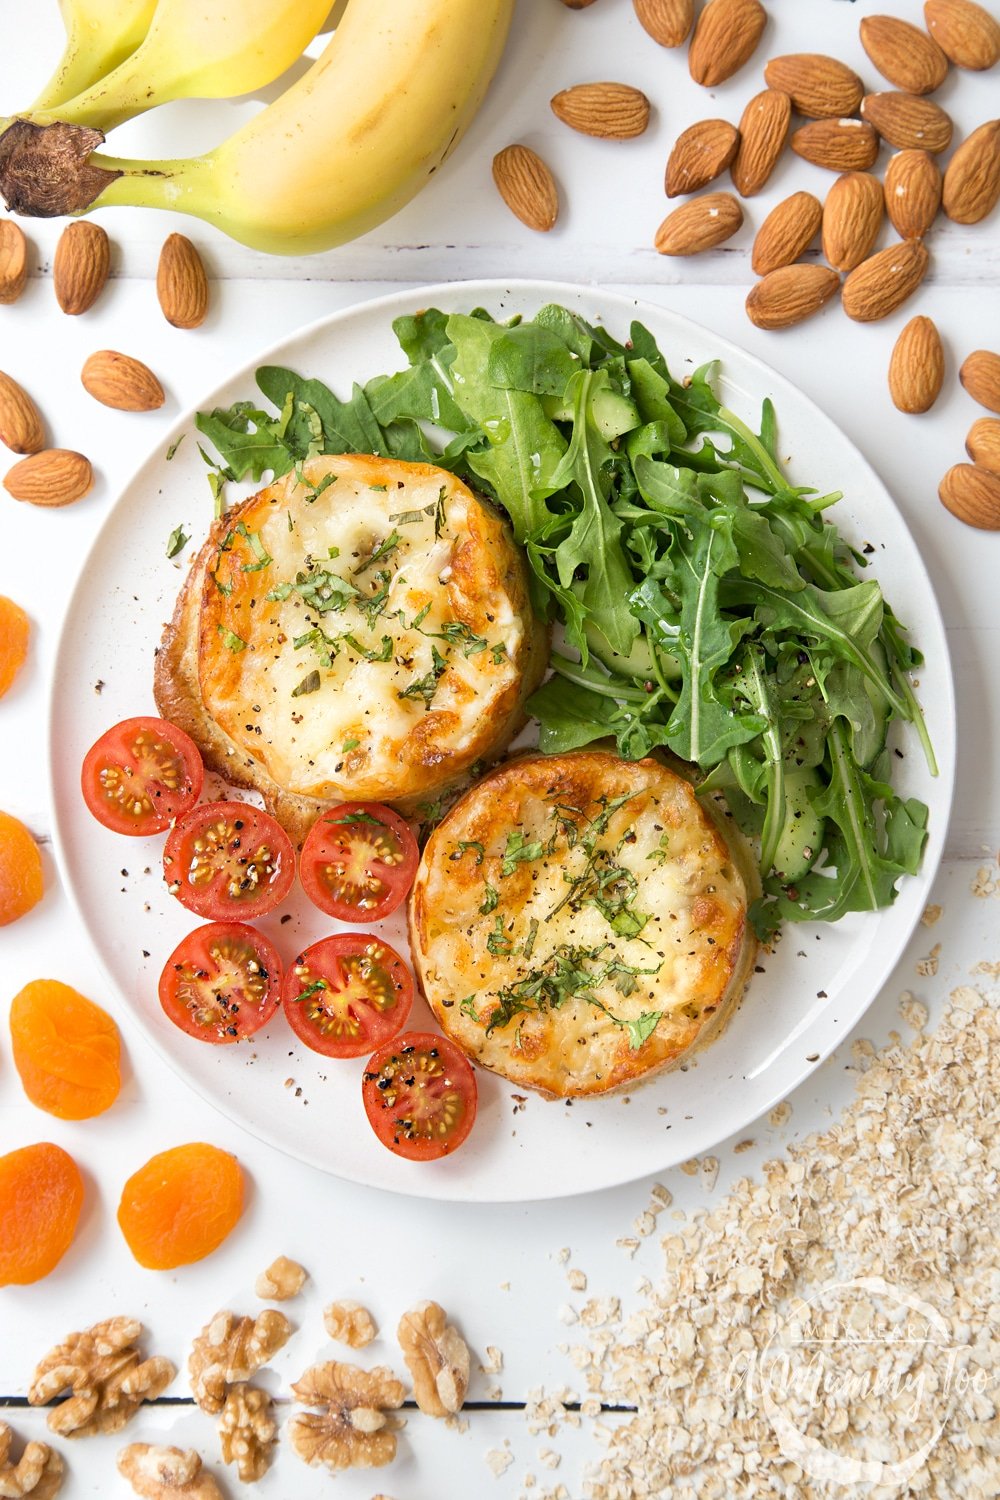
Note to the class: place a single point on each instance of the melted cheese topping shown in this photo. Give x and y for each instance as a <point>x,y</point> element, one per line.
<point>366,630</point>
<point>578,920</point>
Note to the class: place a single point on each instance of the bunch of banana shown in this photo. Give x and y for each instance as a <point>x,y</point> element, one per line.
<point>351,141</point>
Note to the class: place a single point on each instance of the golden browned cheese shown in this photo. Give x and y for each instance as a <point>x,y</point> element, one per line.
<point>579,921</point>
<point>361,629</point>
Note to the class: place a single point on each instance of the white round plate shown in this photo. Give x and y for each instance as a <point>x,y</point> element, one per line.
<point>803,1000</point>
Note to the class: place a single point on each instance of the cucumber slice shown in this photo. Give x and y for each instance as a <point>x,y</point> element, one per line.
<point>639,661</point>
<point>801,841</point>
<point>613,413</point>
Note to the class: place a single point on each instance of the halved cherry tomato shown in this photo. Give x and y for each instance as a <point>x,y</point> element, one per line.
<point>420,1095</point>
<point>347,994</point>
<point>358,861</point>
<point>222,982</point>
<point>229,862</point>
<point>141,775</point>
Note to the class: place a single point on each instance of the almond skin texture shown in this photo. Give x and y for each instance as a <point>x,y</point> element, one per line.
<point>973,495</point>
<point>972,177</point>
<point>763,132</point>
<point>725,38</point>
<point>54,477</point>
<point>700,155</point>
<point>786,232</point>
<point>980,374</point>
<point>916,367</point>
<point>884,281</point>
<point>667,21</point>
<point>852,218</point>
<point>181,283</point>
<point>81,266</point>
<point>912,193</point>
<point>966,33</point>
<point>577,4</point>
<point>983,444</point>
<point>838,145</point>
<point>818,86</point>
<point>790,294</point>
<point>122,382</point>
<point>908,122</point>
<point>612,111</point>
<point>699,224</point>
<point>527,187</point>
<point>13,261</point>
<point>20,421</point>
<point>904,54</point>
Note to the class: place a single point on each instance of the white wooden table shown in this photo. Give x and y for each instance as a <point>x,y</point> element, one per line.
<point>496,1270</point>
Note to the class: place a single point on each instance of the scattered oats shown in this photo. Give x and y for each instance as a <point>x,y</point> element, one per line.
<point>629,1245</point>
<point>600,1310</point>
<point>742,1146</point>
<point>661,1196</point>
<point>505,1286</point>
<point>983,884</point>
<point>499,1460</point>
<point>577,1280</point>
<point>690,1168</point>
<point>494,1393</point>
<point>780,1114</point>
<point>928,967</point>
<point>709,1172</point>
<point>644,1224</point>
<point>913,1011</point>
<point>568,1314</point>
<point>562,1256</point>
<point>591,1407</point>
<point>990,969</point>
<point>931,915</point>
<point>550,1458</point>
<point>494,1361</point>
<point>455,1423</point>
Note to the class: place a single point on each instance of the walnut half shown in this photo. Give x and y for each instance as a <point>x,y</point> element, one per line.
<point>349,1323</point>
<point>230,1349</point>
<point>353,1431</point>
<point>283,1279</point>
<point>437,1357</point>
<point>247,1431</point>
<point>166,1473</point>
<point>107,1375</point>
<point>38,1472</point>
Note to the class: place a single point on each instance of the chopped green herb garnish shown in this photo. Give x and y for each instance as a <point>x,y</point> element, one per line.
<point>382,551</point>
<point>425,687</point>
<point>229,640</point>
<point>464,844</point>
<point>356,817</point>
<point>491,900</point>
<point>322,591</point>
<point>527,947</point>
<point>309,684</point>
<point>519,851</point>
<point>311,989</point>
<point>412,517</point>
<point>349,744</point>
<point>177,541</point>
<point>497,941</point>
<point>468,1007</point>
<point>174,447</point>
<point>384,653</point>
<point>317,490</point>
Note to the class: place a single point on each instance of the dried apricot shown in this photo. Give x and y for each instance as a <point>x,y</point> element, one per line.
<point>41,1194</point>
<point>66,1050</point>
<point>14,632</point>
<point>181,1205</point>
<point>21,883</point>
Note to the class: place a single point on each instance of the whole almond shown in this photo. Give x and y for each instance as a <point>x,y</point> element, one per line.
<point>81,266</point>
<point>983,444</point>
<point>122,382</point>
<point>790,294</point>
<point>613,111</point>
<point>701,153</point>
<point>20,421</point>
<point>818,86</point>
<point>980,374</point>
<point>912,193</point>
<point>699,224</point>
<point>973,495</point>
<point>667,21</point>
<point>965,32</point>
<point>852,218</point>
<point>577,4</point>
<point>908,122</point>
<point>916,367</point>
<point>181,283</point>
<point>786,232</point>
<point>904,54</point>
<point>56,476</point>
<point>527,187</point>
<point>972,177</point>
<point>838,145</point>
<point>763,132</point>
<point>884,281</point>
<point>13,261</point>
<point>725,38</point>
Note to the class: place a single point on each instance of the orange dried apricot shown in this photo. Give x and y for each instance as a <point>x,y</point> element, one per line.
<point>181,1205</point>
<point>66,1050</point>
<point>21,883</point>
<point>41,1194</point>
<point>14,632</point>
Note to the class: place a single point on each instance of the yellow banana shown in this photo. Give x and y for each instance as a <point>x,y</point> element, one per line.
<point>100,34</point>
<point>347,145</point>
<point>196,49</point>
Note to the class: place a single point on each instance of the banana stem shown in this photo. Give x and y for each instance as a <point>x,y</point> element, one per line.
<point>180,184</point>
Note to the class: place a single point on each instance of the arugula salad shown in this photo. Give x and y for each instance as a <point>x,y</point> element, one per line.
<point>708,608</point>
